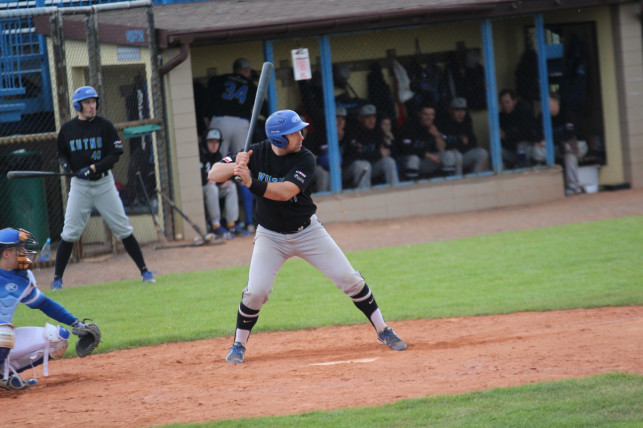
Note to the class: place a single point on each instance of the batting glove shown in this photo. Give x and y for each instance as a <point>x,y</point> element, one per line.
<point>84,173</point>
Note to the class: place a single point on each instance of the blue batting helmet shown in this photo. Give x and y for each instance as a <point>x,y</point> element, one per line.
<point>283,122</point>
<point>83,93</point>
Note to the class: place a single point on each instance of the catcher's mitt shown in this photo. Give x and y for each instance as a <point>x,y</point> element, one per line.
<point>88,337</point>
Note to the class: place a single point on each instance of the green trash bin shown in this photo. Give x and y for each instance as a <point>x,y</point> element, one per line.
<point>23,203</point>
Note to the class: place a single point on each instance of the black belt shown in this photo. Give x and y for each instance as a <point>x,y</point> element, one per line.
<point>98,177</point>
<point>300,228</point>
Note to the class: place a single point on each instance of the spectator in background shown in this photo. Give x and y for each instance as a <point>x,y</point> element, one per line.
<point>340,116</point>
<point>386,125</point>
<point>324,160</point>
<point>518,131</point>
<point>212,192</point>
<point>316,142</point>
<point>366,154</point>
<point>231,99</point>
<point>457,126</point>
<point>566,145</point>
<point>421,147</point>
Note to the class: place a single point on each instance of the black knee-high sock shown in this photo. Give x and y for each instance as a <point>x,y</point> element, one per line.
<point>62,257</point>
<point>246,317</point>
<point>365,302</point>
<point>3,354</point>
<point>134,250</point>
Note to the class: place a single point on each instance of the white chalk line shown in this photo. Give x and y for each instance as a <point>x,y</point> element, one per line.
<point>330,363</point>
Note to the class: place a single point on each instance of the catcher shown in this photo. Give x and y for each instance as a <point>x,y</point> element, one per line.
<point>24,347</point>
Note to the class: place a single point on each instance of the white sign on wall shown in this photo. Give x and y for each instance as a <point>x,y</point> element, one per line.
<point>301,64</point>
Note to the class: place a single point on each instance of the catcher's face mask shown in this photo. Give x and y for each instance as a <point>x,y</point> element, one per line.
<point>25,244</point>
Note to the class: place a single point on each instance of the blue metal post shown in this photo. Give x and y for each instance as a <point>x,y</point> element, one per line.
<point>492,94</point>
<point>48,103</point>
<point>269,54</point>
<point>541,48</point>
<point>329,107</point>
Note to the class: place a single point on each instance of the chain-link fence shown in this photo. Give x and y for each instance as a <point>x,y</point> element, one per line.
<point>111,48</point>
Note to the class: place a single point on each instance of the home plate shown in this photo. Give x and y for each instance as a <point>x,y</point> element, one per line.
<point>330,363</point>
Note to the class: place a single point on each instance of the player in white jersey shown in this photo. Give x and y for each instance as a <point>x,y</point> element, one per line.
<point>25,347</point>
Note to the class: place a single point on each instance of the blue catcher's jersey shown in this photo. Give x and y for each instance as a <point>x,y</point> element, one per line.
<point>17,286</point>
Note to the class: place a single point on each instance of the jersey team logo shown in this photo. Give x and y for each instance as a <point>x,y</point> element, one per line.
<point>11,287</point>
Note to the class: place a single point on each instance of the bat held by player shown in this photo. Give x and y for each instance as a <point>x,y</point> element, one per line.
<point>32,174</point>
<point>262,90</point>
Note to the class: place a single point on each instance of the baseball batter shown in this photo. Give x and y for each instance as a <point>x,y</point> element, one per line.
<point>278,172</point>
<point>90,146</point>
<point>25,347</point>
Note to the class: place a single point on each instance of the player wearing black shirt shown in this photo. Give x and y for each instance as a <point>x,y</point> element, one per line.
<point>90,146</point>
<point>278,172</point>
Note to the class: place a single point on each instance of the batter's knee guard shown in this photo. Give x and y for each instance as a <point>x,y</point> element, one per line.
<point>365,301</point>
<point>246,317</point>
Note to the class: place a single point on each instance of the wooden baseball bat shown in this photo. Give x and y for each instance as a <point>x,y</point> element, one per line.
<point>32,174</point>
<point>159,230</point>
<point>262,90</point>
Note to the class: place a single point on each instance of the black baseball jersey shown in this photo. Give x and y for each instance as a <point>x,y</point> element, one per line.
<point>298,168</point>
<point>416,139</point>
<point>82,143</point>
<point>231,95</point>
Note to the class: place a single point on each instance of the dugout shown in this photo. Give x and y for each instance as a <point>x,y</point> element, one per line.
<point>360,32</point>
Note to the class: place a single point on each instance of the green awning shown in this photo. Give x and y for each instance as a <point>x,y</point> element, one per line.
<point>139,131</point>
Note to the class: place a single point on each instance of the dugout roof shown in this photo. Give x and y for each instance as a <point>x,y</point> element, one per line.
<point>209,22</point>
<point>226,21</point>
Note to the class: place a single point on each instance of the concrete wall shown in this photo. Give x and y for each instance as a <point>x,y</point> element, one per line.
<point>629,59</point>
<point>429,198</point>
<point>182,132</point>
<point>443,197</point>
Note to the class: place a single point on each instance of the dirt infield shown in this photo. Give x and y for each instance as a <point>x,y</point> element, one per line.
<point>336,367</point>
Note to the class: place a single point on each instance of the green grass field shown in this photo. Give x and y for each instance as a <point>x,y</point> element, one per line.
<point>574,266</point>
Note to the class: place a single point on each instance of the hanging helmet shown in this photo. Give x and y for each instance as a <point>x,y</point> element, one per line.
<point>24,241</point>
<point>281,123</point>
<point>83,93</point>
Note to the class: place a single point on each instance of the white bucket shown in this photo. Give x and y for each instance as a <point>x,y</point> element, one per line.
<point>588,178</point>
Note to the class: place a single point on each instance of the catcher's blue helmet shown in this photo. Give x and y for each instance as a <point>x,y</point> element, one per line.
<point>83,93</point>
<point>10,237</point>
<point>283,122</point>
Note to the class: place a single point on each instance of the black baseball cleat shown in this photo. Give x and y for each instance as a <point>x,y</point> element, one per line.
<point>390,339</point>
